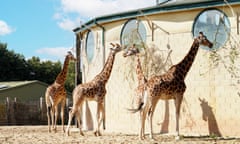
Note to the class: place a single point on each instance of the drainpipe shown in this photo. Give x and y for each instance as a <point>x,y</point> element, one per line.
<point>78,56</point>
<point>80,78</point>
<point>77,64</point>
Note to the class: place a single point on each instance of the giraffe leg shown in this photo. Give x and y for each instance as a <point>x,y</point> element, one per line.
<point>140,130</point>
<point>178,102</point>
<point>78,115</point>
<point>52,116</point>
<point>55,118</point>
<point>103,116</point>
<point>150,114</point>
<point>71,114</point>
<point>77,112</point>
<point>62,113</point>
<point>143,114</point>
<point>49,117</point>
<point>99,118</point>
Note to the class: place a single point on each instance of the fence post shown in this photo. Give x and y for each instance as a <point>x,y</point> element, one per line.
<point>41,100</point>
<point>8,109</point>
<point>41,109</point>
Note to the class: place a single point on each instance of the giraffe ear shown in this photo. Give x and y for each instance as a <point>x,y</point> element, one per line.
<point>118,45</point>
<point>112,44</point>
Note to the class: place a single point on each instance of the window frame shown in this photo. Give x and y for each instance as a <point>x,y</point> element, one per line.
<point>225,17</point>
<point>124,27</point>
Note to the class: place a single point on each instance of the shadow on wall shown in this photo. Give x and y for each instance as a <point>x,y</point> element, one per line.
<point>165,123</point>
<point>208,115</point>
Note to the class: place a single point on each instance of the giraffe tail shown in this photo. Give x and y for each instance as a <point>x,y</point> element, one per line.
<point>141,105</point>
<point>136,110</point>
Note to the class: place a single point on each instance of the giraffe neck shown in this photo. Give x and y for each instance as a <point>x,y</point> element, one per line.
<point>106,71</point>
<point>61,78</point>
<point>185,65</point>
<point>139,71</point>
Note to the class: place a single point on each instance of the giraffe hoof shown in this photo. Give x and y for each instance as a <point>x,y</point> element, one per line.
<point>152,138</point>
<point>97,133</point>
<point>67,133</point>
<point>81,133</point>
<point>177,138</point>
<point>142,138</point>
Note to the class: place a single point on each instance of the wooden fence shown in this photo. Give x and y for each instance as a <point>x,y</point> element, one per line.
<point>15,112</point>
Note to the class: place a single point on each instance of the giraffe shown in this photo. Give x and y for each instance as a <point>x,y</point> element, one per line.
<point>56,94</point>
<point>140,76</point>
<point>95,90</point>
<point>170,85</point>
<point>142,80</point>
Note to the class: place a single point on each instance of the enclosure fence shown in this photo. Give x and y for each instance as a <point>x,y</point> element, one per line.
<point>16,112</point>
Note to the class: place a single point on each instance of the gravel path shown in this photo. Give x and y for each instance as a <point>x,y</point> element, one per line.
<point>40,135</point>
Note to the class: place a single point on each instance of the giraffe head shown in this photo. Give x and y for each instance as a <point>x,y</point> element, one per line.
<point>205,108</point>
<point>115,48</point>
<point>70,56</point>
<point>202,40</point>
<point>131,51</point>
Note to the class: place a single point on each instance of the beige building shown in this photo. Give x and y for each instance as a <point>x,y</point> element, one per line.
<point>165,33</point>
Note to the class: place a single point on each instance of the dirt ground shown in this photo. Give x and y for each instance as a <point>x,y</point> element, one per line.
<point>40,135</point>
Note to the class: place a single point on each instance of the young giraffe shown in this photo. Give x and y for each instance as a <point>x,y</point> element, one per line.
<point>140,76</point>
<point>93,90</point>
<point>56,94</point>
<point>170,85</point>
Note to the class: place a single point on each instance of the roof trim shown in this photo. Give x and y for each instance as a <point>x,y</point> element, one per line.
<point>151,10</point>
<point>17,84</point>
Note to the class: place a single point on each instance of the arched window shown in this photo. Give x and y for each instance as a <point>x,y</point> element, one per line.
<point>214,24</point>
<point>133,32</point>
<point>90,45</point>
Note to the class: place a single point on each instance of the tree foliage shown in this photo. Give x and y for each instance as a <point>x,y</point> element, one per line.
<point>14,67</point>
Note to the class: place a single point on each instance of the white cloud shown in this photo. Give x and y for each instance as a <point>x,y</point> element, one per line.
<point>5,28</point>
<point>92,8</point>
<point>76,10</point>
<point>66,24</point>
<point>57,52</point>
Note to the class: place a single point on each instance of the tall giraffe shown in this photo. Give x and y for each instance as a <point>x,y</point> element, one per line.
<point>95,90</point>
<point>56,94</point>
<point>170,85</point>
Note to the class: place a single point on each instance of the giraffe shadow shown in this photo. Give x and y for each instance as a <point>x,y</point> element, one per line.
<point>208,115</point>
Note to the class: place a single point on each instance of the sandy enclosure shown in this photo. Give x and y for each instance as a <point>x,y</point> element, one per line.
<point>40,135</point>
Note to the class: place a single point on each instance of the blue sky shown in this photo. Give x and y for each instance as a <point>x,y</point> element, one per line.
<point>43,28</point>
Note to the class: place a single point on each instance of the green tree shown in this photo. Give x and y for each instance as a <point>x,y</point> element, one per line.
<point>45,71</point>
<point>12,66</point>
<point>70,82</point>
